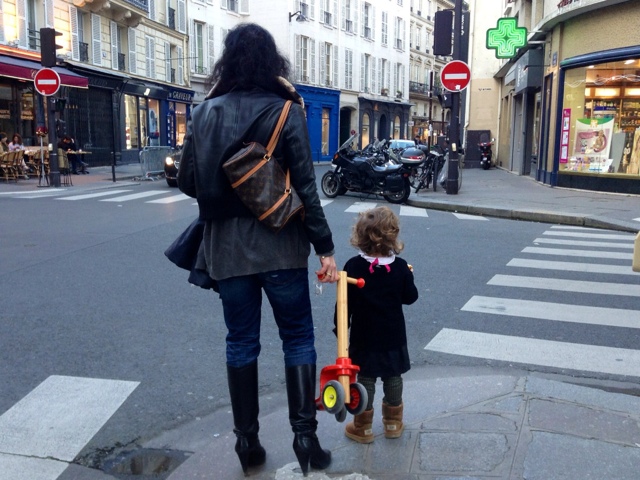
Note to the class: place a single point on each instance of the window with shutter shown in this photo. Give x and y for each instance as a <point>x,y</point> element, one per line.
<point>150,50</point>
<point>96,40</point>
<point>182,16</point>
<point>49,14</point>
<point>180,63</point>
<point>131,40</point>
<point>23,28</point>
<point>2,40</point>
<point>73,27</point>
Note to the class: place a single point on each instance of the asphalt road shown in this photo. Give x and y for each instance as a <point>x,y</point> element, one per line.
<point>87,293</point>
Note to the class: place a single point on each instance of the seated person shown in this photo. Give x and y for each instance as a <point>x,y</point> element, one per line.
<point>67,144</point>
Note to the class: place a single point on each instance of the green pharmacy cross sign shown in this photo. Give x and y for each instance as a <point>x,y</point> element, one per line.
<point>506,38</point>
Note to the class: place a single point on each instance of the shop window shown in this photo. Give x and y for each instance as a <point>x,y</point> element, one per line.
<point>132,137</point>
<point>600,124</point>
<point>181,122</point>
<point>326,112</point>
<point>365,138</point>
<point>396,127</point>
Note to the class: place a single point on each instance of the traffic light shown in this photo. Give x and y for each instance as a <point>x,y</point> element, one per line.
<point>443,33</point>
<point>48,46</point>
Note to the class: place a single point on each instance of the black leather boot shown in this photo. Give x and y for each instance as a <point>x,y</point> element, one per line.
<point>302,416</point>
<point>243,390</point>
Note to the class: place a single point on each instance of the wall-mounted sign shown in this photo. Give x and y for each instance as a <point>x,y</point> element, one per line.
<point>506,38</point>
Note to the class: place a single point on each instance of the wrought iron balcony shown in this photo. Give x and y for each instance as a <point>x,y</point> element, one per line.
<point>420,88</point>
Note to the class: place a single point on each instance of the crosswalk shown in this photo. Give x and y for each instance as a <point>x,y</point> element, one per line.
<point>165,197</point>
<point>516,298</point>
<point>42,433</point>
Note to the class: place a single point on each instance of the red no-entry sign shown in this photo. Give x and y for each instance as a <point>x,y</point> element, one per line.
<point>455,76</point>
<point>46,81</point>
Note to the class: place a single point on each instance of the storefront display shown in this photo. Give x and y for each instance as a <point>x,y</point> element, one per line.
<point>600,131</point>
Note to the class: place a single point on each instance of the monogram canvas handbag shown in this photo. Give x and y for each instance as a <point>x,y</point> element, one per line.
<point>260,182</point>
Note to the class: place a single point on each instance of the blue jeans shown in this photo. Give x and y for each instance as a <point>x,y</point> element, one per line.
<point>288,294</point>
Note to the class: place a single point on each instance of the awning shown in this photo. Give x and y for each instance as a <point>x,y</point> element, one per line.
<point>25,70</point>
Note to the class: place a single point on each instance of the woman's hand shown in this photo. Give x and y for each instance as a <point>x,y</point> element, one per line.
<point>328,272</point>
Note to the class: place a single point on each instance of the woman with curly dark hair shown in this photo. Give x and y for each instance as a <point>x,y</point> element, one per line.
<point>249,90</point>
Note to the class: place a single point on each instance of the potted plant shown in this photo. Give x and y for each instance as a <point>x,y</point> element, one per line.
<point>384,91</point>
<point>399,94</point>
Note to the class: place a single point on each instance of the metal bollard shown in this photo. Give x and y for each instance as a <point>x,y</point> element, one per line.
<point>636,254</point>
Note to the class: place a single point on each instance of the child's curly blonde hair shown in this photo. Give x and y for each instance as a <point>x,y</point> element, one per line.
<point>376,232</point>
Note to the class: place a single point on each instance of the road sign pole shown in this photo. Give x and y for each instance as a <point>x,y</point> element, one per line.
<point>54,167</point>
<point>454,126</point>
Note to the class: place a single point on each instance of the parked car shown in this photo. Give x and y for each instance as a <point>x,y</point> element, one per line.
<point>171,166</point>
<point>399,145</point>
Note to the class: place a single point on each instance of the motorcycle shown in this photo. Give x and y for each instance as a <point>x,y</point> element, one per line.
<point>371,172</point>
<point>485,154</point>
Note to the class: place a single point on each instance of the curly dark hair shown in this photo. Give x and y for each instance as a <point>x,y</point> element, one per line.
<point>250,59</point>
<point>376,232</point>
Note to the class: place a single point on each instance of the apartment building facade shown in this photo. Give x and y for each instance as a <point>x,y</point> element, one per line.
<point>123,69</point>
<point>133,69</point>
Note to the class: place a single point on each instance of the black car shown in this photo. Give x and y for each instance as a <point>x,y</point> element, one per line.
<point>171,165</point>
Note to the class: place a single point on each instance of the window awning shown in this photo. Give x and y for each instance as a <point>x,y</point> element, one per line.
<point>25,70</point>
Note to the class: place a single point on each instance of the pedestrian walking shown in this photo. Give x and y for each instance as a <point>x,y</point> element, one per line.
<point>377,336</point>
<point>244,256</point>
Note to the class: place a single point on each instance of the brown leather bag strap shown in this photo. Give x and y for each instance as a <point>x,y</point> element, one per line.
<point>274,207</point>
<point>279,126</point>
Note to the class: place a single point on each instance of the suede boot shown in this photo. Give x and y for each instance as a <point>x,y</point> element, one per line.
<point>392,420</point>
<point>361,429</point>
<point>243,390</point>
<point>302,417</point>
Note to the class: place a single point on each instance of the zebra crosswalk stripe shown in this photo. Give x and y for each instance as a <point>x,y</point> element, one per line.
<point>93,195</point>
<point>573,266</point>
<point>561,312</point>
<point>580,243</point>
<point>57,419</point>
<point>408,211</point>
<point>577,253</point>
<point>601,236</point>
<point>358,207</point>
<point>565,285</point>
<point>171,199</point>
<point>135,196</point>
<point>573,356</point>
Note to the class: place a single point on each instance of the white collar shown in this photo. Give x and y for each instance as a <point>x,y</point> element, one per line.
<point>381,260</point>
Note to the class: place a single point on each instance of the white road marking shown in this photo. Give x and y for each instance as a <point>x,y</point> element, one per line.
<point>135,196</point>
<point>93,195</point>
<point>59,417</point>
<point>565,285</point>
<point>574,227</point>
<point>407,211</point>
<point>579,243</point>
<point>637,219</point>
<point>35,192</point>
<point>358,207</point>
<point>464,216</point>
<point>13,467</point>
<point>561,312</point>
<point>573,266</point>
<point>577,253</point>
<point>325,201</point>
<point>601,236</point>
<point>573,356</point>
<point>171,199</point>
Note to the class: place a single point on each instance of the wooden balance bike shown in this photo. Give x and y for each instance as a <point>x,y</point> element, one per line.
<point>339,391</point>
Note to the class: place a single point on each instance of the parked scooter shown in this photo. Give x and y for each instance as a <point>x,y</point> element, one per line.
<point>370,173</point>
<point>486,154</point>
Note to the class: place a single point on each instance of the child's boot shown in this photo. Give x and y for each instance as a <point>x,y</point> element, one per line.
<point>360,429</point>
<point>392,420</point>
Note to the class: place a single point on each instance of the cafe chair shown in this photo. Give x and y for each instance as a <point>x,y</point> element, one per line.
<point>65,171</point>
<point>7,166</point>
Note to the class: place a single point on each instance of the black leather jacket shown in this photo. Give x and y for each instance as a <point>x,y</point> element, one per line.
<point>218,129</point>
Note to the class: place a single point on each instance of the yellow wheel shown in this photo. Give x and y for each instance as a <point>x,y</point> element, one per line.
<point>333,397</point>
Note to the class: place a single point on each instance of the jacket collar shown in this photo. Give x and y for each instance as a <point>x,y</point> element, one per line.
<point>288,88</point>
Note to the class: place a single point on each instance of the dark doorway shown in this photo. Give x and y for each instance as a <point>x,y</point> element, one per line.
<point>383,127</point>
<point>345,125</point>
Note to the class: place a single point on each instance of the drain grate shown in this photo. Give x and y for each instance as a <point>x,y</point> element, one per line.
<point>145,462</point>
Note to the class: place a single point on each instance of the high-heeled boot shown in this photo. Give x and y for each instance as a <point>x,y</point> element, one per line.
<point>243,390</point>
<point>302,416</point>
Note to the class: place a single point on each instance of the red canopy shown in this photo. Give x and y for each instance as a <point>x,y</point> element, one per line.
<point>25,70</point>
